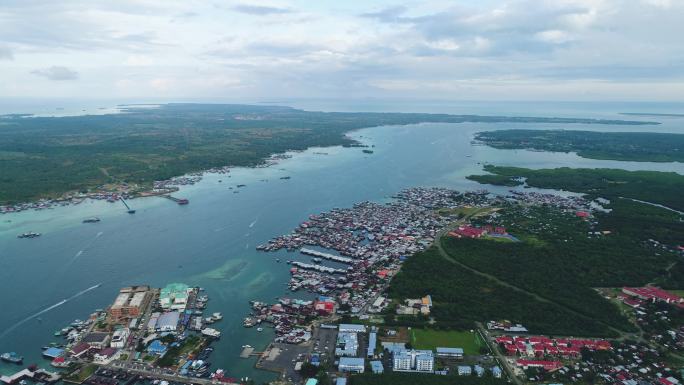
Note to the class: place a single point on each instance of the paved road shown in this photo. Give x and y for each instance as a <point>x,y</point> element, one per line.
<point>497,353</point>
<point>163,374</point>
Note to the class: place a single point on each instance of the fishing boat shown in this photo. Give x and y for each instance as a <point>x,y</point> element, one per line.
<point>12,357</point>
<point>30,234</point>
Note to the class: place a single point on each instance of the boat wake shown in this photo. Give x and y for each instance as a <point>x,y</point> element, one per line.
<point>98,235</point>
<point>47,309</point>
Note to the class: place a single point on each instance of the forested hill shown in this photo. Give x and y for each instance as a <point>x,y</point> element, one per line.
<point>48,156</point>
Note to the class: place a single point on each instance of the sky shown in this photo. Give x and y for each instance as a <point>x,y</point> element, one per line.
<point>438,50</point>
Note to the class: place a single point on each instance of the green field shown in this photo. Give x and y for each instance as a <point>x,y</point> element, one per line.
<point>431,339</point>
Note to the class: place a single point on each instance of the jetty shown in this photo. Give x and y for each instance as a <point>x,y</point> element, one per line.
<point>322,269</point>
<point>130,210</point>
<point>327,256</point>
<point>180,201</point>
<point>39,375</point>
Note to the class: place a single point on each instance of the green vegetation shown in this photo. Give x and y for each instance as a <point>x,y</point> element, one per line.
<point>192,344</point>
<point>499,180</point>
<point>663,188</point>
<point>471,343</point>
<point>81,374</point>
<point>422,379</point>
<point>48,156</point>
<point>461,298</point>
<point>629,146</point>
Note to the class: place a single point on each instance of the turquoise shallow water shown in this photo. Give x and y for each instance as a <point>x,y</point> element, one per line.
<point>211,242</point>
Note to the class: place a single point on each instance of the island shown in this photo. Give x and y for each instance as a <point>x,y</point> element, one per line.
<point>625,146</point>
<point>128,151</point>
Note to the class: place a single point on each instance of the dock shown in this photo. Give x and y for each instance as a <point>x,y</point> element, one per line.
<point>39,375</point>
<point>248,351</point>
<point>327,256</point>
<point>319,268</point>
<point>180,201</point>
<point>164,375</point>
<point>130,210</point>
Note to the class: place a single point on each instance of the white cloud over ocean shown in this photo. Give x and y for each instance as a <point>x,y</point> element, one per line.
<point>507,49</point>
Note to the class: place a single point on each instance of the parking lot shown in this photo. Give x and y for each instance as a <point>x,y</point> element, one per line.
<point>324,341</point>
<point>284,358</point>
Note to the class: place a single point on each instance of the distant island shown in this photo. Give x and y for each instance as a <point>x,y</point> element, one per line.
<point>624,146</point>
<point>652,114</point>
<point>46,157</point>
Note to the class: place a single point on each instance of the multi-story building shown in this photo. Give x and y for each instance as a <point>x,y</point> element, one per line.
<point>130,302</point>
<point>119,338</point>
<point>413,361</point>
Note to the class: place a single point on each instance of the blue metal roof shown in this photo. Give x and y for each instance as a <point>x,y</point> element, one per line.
<point>53,352</point>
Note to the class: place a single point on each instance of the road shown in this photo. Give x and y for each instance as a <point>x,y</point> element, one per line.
<point>162,374</point>
<point>502,359</point>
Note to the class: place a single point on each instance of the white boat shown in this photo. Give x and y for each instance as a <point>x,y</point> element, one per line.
<point>217,316</point>
<point>210,332</point>
<point>260,329</point>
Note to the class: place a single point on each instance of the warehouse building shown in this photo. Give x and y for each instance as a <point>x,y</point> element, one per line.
<point>351,365</point>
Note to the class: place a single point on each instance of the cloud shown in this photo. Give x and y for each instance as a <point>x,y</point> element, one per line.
<point>56,73</point>
<point>260,10</point>
<point>309,49</point>
<point>5,53</point>
<point>388,15</point>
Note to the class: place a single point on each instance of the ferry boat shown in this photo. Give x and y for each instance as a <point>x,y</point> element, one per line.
<point>213,333</point>
<point>12,357</point>
<point>30,234</point>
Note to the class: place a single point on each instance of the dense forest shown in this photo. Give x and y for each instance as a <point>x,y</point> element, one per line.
<point>663,188</point>
<point>462,298</point>
<point>627,146</point>
<point>47,156</point>
<point>558,260</point>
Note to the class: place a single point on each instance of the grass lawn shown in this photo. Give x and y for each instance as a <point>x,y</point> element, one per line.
<point>82,374</point>
<point>430,339</point>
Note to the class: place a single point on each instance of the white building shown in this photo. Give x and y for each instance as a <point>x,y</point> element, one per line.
<point>352,328</point>
<point>413,361</point>
<point>168,322</point>
<point>351,365</point>
<point>456,353</point>
<point>119,338</point>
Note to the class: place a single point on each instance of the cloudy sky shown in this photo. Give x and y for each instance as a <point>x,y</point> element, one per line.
<point>454,49</point>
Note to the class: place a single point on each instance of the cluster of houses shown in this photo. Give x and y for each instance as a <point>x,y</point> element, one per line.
<point>626,364</point>
<point>635,296</point>
<point>540,346</point>
<point>416,306</point>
